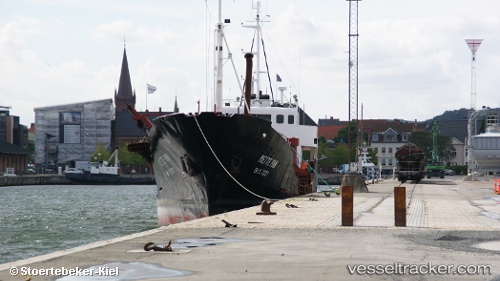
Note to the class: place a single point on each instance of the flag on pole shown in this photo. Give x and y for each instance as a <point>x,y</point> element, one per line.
<point>278,78</point>
<point>151,89</point>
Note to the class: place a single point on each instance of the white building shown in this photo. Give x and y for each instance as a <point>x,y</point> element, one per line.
<point>386,138</point>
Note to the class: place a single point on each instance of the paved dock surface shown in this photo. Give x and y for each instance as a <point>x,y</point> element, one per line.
<point>452,233</point>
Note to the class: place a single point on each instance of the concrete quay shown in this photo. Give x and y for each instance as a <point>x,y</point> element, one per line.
<point>452,233</point>
<point>49,179</point>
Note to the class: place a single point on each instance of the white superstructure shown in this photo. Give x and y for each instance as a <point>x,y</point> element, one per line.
<point>286,116</point>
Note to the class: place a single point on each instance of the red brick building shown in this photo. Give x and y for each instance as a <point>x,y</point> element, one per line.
<point>13,156</point>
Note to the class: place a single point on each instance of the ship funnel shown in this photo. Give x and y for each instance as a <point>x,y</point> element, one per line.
<point>248,82</point>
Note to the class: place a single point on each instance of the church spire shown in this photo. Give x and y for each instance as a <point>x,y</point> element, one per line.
<point>125,86</point>
<point>176,108</point>
<point>124,96</point>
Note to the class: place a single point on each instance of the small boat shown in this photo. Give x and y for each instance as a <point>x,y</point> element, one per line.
<point>368,169</point>
<point>246,150</point>
<point>101,173</point>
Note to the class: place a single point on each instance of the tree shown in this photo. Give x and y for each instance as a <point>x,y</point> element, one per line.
<point>334,157</point>
<point>125,157</point>
<point>343,138</point>
<point>129,158</point>
<point>424,141</point>
<point>330,157</point>
<point>343,135</point>
<point>325,154</point>
<point>100,153</point>
<point>445,148</point>
<point>340,154</point>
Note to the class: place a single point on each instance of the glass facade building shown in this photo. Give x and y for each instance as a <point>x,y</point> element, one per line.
<point>71,132</point>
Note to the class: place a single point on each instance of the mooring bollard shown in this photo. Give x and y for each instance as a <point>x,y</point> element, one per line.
<point>265,208</point>
<point>400,205</point>
<point>347,205</point>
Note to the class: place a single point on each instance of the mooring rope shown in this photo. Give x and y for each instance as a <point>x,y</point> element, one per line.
<point>220,163</point>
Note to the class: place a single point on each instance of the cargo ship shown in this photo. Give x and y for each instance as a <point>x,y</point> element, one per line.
<point>246,150</point>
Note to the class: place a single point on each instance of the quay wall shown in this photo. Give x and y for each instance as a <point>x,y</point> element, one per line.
<point>33,180</point>
<point>335,179</point>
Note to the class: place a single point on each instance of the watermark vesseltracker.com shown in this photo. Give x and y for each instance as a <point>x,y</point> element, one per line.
<point>63,271</point>
<point>419,269</point>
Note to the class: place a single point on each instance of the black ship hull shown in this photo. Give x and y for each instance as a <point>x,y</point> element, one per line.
<point>210,163</point>
<point>102,179</point>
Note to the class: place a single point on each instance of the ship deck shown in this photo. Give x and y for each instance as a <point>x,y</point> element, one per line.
<point>450,222</point>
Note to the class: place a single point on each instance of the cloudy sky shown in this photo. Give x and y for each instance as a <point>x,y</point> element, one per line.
<point>413,59</point>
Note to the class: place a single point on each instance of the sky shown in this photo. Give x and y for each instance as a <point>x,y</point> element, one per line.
<point>413,62</point>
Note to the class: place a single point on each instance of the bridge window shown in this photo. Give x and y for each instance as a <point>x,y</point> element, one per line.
<point>263,116</point>
<point>280,118</point>
<point>291,119</point>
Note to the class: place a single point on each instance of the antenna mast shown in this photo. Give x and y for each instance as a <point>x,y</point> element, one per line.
<point>353,69</point>
<point>473,46</point>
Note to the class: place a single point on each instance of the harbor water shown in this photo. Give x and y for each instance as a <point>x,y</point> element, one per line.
<point>42,219</point>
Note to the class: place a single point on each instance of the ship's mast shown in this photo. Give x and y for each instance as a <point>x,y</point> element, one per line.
<point>220,40</point>
<point>218,65</point>
<point>257,42</point>
<point>258,36</point>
